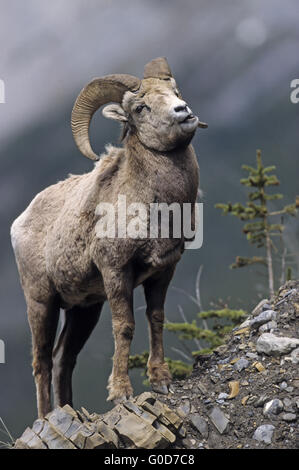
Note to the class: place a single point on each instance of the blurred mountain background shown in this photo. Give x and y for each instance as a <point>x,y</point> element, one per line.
<point>234,62</point>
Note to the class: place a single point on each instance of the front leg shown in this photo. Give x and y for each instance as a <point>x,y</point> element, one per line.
<point>155,290</point>
<point>119,290</point>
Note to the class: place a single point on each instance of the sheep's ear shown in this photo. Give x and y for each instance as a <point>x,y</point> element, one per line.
<point>115,112</point>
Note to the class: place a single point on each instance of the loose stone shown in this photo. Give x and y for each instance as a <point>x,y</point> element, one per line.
<point>264,433</point>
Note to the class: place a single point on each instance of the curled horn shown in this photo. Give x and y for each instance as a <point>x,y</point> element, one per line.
<point>157,68</point>
<point>97,93</point>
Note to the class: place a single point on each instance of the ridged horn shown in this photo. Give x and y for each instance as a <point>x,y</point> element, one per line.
<point>157,68</point>
<point>98,92</point>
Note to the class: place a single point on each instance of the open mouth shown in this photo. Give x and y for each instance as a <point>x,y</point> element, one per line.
<point>188,118</point>
<point>191,120</point>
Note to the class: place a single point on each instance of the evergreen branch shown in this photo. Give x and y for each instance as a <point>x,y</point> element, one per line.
<point>203,352</point>
<point>272,181</point>
<point>242,261</point>
<point>225,313</point>
<point>139,361</point>
<point>269,168</point>
<point>250,169</point>
<point>254,196</point>
<point>191,331</point>
<point>275,227</point>
<point>178,369</point>
<point>254,227</point>
<point>273,197</point>
<point>258,238</point>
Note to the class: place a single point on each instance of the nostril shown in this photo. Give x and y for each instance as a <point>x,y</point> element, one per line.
<point>178,109</point>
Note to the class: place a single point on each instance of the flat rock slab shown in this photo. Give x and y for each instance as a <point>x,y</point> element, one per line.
<point>219,419</point>
<point>141,423</point>
<point>200,425</point>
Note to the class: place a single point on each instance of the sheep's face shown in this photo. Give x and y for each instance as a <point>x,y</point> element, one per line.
<point>157,114</point>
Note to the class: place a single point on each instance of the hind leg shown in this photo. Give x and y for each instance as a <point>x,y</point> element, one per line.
<point>43,320</point>
<point>79,324</point>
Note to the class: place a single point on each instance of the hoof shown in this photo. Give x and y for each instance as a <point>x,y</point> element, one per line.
<point>161,388</point>
<point>122,399</point>
<point>119,400</point>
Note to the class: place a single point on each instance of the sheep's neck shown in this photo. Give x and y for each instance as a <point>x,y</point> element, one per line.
<point>164,176</point>
<point>142,162</point>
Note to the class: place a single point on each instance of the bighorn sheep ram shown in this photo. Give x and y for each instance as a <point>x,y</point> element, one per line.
<point>63,263</point>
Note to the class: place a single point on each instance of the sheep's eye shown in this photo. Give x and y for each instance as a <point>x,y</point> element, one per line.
<point>139,108</point>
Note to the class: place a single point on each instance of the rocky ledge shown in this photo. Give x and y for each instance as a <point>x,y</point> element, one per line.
<point>244,395</point>
<point>141,423</point>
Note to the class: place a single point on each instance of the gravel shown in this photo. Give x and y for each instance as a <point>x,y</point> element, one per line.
<point>263,412</point>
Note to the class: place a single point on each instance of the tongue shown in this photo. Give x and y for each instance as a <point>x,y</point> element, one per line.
<point>202,125</point>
